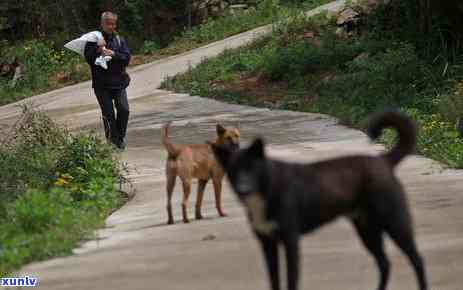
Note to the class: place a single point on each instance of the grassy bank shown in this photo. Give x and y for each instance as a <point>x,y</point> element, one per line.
<point>46,65</point>
<point>233,23</point>
<point>56,188</point>
<point>306,66</point>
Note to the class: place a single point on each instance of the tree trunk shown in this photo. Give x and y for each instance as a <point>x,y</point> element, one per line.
<point>189,8</point>
<point>17,76</point>
<point>425,15</point>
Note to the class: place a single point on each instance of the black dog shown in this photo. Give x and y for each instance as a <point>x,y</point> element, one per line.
<point>286,200</point>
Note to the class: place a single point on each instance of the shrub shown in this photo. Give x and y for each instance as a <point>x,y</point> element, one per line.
<point>56,187</point>
<point>40,61</point>
<point>393,77</point>
<point>150,47</point>
<point>349,78</point>
<point>437,138</point>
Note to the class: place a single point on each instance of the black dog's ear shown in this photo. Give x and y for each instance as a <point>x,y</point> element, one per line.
<point>220,129</point>
<point>222,154</point>
<point>257,149</point>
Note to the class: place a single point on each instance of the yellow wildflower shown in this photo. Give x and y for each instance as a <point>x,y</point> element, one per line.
<point>60,182</point>
<point>63,179</point>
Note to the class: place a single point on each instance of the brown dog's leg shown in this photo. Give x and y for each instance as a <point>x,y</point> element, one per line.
<point>218,195</point>
<point>171,178</point>
<point>199,198</point>
<point>186,194</point>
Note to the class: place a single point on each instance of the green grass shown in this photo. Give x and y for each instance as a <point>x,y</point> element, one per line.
<point>47,66</point>
<point>56,188</point>
<point>220,28</point>
<point>347,77</point>
<point>44,67</point>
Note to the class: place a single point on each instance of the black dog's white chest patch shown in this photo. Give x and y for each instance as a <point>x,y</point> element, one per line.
<point>257,210</point>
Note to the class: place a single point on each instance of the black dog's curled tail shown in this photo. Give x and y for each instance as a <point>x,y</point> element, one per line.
<point>405,128</point>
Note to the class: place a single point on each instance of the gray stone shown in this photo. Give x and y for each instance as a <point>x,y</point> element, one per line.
<point>347,15</point>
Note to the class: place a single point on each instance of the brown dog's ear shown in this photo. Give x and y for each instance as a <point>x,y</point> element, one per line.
<point>222,154</point>
<point>220,130</point>
<point>257,149</point>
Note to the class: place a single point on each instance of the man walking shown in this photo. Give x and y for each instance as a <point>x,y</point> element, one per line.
<point>110,84</point>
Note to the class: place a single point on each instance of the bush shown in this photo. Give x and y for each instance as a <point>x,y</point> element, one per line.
<point>348,77</point>
<point>393,77</point>
<point>30,153</point>
<point>56,187</point>
<point>225,26</point>
<point>47,65</point>
<point>150,47</point>
<point>36,211</point>
<point>437,138</point>
<point>41,62</point>
<point>450,103</point>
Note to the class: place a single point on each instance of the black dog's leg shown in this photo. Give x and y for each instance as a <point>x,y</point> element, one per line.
<point>270,249</point>
<point>371,236</point>
<point>292,261</point>
<point>402,235</point>
<point>398,224</point>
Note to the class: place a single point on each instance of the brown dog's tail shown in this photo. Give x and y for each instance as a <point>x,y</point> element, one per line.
<point>172,150</point>
<point>406,131</point>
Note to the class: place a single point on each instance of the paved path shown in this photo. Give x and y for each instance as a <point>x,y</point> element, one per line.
<point>138,251</point>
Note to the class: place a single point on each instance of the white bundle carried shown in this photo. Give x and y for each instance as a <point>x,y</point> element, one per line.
<point>78,45</point>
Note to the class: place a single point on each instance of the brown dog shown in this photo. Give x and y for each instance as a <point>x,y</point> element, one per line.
<point>196,161</point>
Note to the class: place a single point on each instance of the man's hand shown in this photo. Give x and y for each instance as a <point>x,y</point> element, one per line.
<point>108,52</point>
<point>101,43</point>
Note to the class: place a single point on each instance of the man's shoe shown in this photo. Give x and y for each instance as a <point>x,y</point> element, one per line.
<point>115,147</point>
<point>122,144</point>
<point>115,144</point>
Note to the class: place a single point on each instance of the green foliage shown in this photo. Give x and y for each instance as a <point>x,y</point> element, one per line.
<point>30,154</point>
<point>347,77</point>
<point>36,211</point>
<point>434,29</point>
<point>228,25</point>
<point>269,8</point>
<point>56,187</point>
<point>437,138</point>
<point>40,61</point>
<point>150,47</point>
<point>392,77</point>
<point>47,65</point>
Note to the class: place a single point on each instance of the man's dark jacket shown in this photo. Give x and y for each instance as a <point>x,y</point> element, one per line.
<point>115,77</point>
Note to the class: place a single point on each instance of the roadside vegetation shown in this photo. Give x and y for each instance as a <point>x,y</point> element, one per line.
<point>56,188</point>
<point>47,65</point>
<point>313,65</point>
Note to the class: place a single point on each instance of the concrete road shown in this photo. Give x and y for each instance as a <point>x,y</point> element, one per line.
<point>137,250</point>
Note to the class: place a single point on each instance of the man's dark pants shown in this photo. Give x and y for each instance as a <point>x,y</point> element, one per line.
<point>115,123</point>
